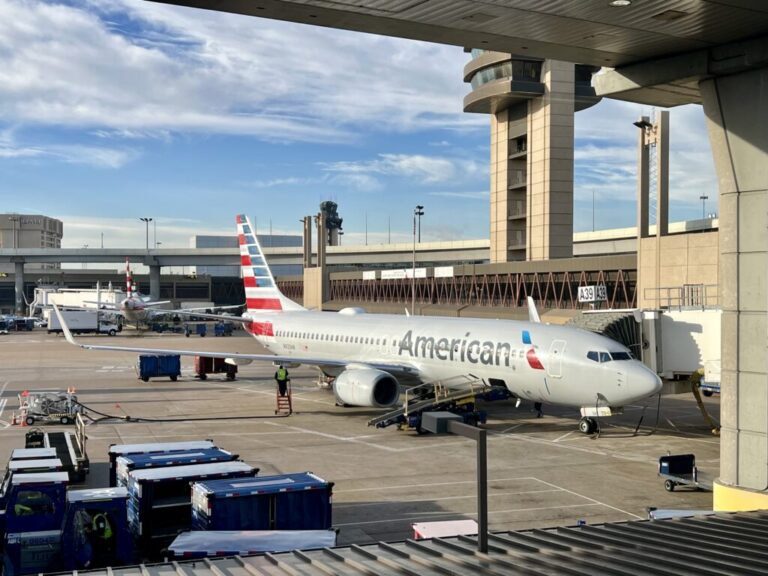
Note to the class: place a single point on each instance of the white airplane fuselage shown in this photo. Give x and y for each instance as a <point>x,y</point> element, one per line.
<point>537,362</point>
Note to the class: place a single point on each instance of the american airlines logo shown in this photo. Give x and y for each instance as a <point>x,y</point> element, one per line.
<point>484,352</point>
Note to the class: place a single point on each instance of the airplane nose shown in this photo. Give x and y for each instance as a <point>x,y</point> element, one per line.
<point>645,382</point>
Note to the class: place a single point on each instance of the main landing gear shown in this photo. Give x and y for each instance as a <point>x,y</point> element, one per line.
<point>588,425</point>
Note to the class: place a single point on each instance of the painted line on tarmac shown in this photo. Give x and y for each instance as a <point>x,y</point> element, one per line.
<point>462,497</point>
<point>564,436</point>
<point>355,440</point>
<point>272,393</point>
<point>431,484</point>
<point>415,517</point>
<point>590,499</point>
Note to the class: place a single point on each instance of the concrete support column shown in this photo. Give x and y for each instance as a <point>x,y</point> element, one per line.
<point>736,108</point>
<point>500,233</point>
<point>154,282</point>
<point>19,289</point>
<point>550,165</point>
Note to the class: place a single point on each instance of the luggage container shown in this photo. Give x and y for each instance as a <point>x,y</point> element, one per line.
<point>126,464</point>
<point>202,544</point>
<point>299,501</point>
<point>33,453</point>
<point>117,450</point>
<point>205,365</point>
<point>156,366</point>
<point>159,506</point>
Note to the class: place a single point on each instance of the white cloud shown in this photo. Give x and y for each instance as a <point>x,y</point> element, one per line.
<point>135,69</point>
<point>483,195</point>
<point>96,156</point>
<point>425,169</point>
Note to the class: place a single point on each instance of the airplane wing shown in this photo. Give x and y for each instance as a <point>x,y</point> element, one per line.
<point>101,305</point>
<point>151,304</point>
<point>392,368</point>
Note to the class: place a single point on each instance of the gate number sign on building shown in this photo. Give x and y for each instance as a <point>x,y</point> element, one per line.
<point>593,293</point>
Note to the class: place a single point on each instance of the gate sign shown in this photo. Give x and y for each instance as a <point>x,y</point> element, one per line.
<point>593,293</point>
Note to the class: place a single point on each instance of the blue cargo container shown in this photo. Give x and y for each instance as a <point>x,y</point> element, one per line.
<point>155,366</point>
<point>299,501</point>
<point>117,450</point>
<point>159,506</point>
<point>126,464</point>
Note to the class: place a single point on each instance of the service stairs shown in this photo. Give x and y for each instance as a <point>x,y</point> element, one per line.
<point>428,396</point>
<point>284,403</point>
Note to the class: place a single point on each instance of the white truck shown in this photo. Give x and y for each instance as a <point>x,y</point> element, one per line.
<point>82,321</point>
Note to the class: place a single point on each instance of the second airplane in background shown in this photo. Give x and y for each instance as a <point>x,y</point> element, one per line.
<point>370,356</point>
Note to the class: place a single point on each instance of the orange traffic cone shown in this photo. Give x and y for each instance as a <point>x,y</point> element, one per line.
<point>14,420</point>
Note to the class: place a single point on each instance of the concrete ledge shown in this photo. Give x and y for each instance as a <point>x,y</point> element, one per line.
<point>736,499</point>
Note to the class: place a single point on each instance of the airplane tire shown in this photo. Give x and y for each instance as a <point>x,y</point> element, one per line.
<point>587,426</point>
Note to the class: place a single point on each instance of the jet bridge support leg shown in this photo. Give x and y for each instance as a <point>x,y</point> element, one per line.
<point>19,288</point>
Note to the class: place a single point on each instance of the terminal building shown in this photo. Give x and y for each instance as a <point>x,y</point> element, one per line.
<point>29,231</point>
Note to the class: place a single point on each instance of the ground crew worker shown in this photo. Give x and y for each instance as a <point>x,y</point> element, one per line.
<point>281,376</point>
<point>100,526</point>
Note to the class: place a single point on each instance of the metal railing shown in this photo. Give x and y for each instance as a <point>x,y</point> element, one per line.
<point>682,297</point>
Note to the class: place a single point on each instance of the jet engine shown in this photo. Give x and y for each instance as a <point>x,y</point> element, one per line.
<point>366,387</point>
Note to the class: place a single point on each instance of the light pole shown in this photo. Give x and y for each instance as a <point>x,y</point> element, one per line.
<point>147,221</point>
<point>154,233</point>
<point>418,212</point>
<point>703,199</point>
<point>14,219</point>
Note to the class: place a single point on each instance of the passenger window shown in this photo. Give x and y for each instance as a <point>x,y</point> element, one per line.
<point>605,357</point>
<point>592,355</point>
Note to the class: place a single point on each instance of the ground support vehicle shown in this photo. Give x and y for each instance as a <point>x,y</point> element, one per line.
<point>83,322</point>
<point>299,501</point>
<point>436,397</point>
<point>158,366</point>
<point>159,506</point>
<point>127,464</point>
<point>681,470</point>
<point>70,448</point>
<point>154,448</point>
<point>223,329</point>
<point>205,365</point>
<point>49,406</point>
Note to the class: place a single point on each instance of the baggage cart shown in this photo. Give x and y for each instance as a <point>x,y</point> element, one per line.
<point>202,544</point>
<point>300,501</point>
<point>205,365</point>
<point>157,366</point>
<point>126,464</point>
<point>681,470</point>
<point>117,450</point>
<point>159,507</point>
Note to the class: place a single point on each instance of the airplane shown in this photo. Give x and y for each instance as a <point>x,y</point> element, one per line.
<point>133,308</point>
<point>370,356</point>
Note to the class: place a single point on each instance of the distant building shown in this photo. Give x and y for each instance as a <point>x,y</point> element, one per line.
<point>266,241</point>
<point>30,231</point>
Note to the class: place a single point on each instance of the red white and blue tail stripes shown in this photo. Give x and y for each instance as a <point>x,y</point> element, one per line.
<point>261,292</point>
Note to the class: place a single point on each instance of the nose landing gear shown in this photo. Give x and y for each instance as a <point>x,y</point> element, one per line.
<point>588,425</point>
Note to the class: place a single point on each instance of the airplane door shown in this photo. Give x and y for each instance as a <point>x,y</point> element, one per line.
<point>555,359</point>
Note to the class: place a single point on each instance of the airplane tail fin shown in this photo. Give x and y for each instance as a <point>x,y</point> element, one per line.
<point>533,313</point>
<point>261,291</point>
<point>128,279</point>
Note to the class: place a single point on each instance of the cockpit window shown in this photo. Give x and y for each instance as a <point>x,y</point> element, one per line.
<point>621,356</point>
<point>605,357</point>
<point>592,355</point>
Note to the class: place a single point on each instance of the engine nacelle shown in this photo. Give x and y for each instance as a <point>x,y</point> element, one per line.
<point>366,387</point>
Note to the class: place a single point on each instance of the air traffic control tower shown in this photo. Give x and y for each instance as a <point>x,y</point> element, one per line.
<point>531,102</point>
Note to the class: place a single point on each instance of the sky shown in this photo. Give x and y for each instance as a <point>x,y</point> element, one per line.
<point>112,110</point>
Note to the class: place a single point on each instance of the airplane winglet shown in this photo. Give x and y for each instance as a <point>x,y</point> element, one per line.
<point>65,328</point>
<point>533,314</point>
